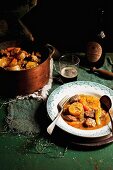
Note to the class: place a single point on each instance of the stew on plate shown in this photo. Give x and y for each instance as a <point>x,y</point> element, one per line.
<point>85,112</point>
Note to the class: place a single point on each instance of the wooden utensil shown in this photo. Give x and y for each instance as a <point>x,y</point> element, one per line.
<point>106,105</point>
<point>102,72</point>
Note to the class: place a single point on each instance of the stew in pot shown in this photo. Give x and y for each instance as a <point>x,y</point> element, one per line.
<point>15,59</point>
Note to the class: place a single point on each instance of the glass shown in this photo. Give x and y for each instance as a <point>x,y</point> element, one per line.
<point>68,67</point>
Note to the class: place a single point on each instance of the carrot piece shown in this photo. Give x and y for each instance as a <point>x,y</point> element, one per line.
<point>86,108</point>
<point>13,62</point>
<point>10,48</point>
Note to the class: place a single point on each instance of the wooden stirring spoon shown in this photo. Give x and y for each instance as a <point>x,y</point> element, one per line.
<point>102,72</point>
<point>106,105</point>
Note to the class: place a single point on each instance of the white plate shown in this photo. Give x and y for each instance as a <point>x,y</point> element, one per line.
<point>78,87</point>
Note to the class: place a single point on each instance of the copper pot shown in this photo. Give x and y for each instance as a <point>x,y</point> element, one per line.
<point>13,83</point>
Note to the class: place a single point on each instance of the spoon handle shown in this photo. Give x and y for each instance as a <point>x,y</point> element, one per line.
<point>111,121</point>
<point>105,73</point>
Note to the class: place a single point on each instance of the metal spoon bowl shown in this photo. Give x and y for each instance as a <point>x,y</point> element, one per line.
<point>106,105</point>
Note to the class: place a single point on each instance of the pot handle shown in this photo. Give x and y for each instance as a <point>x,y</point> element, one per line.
<point>54,53</point>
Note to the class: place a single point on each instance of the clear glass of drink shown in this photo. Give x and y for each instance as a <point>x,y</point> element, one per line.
<point>69,66</point>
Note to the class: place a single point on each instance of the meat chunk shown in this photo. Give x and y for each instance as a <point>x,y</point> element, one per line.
<point>89,122</point>
<point>89,113</point>
<point>74,98</point>
<point>69,118</point>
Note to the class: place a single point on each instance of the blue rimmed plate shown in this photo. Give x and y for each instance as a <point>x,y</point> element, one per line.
<point>78,87</point>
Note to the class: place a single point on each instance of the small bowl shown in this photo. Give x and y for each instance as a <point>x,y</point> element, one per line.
<point>23,82</point>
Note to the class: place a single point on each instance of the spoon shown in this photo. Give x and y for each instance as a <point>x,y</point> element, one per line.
<point>106,105</point>
<point>102,72</point>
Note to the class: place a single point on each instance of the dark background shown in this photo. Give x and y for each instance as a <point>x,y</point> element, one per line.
<point>68,25</point>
